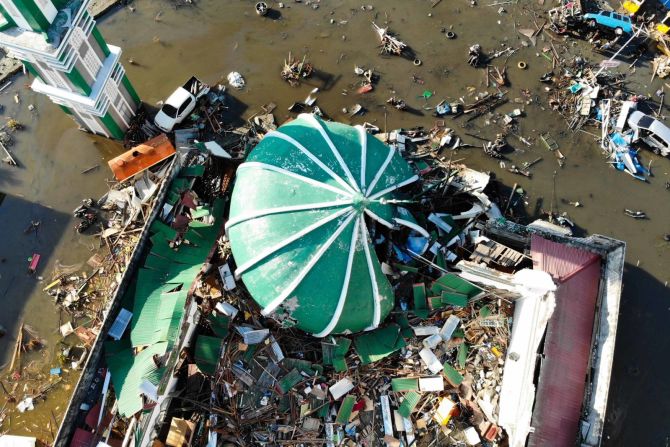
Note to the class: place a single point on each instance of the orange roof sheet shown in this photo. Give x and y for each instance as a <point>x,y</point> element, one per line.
<point>141,157</point>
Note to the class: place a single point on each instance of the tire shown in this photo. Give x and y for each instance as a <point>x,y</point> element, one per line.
<point>656,150</point>
<point>592,23</point>
<point>618,31</point>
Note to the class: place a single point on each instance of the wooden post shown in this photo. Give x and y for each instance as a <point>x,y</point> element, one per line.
<point>10,159</point>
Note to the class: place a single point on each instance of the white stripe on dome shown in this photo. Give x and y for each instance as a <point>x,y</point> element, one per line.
<point>319,163</point>
<point>286,172</point>
<point>270,307</point>
<point>311,119</point>
<point>419,229</point>
<point>283,243</point>
<point>381,170</point>
<point>379,219</point>
<point>377,195</point>
<point>345,284</point>
<point>285,209</point>
<point>364,153</point>
<point>376,317</point>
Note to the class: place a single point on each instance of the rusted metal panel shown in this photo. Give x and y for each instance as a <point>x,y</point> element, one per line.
<point>559,260</point>
<point>567,348</point>
<point>141,157</point>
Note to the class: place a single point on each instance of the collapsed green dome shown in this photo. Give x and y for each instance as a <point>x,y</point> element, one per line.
<point>297,227</point>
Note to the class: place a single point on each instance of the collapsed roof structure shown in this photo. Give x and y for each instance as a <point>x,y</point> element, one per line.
<point>333,232</point>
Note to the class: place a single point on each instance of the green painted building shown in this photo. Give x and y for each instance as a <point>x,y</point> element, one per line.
<point>60,45</point>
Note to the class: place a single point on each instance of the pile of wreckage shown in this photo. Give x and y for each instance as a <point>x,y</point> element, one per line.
<point>187,355</point>
<point>586,95</point>
<point>224,373</point>
<point>84,295</point>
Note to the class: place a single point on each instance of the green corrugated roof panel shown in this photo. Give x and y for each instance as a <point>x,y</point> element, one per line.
<point>173,306</point>
<point>323,408</point>
<point>172,197</point>
<point>183,273</point>
<point>179,259</point>
<point>289,381</point>
<point>314,258</point>
<point>454,377</point>
<point>406,268</point>
<point>200,211</point>
<point>453,282</point>
<point>340,353</point>
<point>409,402</point>
<point>345,410</point>
<point>340,364</point>
<point>327,351</point>
<point>158,295</point>
<point>207,353</point>
<point>192,171</point>
<point>462,355</point>
<point>378,344</point>
<point>299,364</point>
<point>128,372</point>
<point>220,324</point>
<point>157,318</point>
<point>420,304</point>
<point>162,229</point>
<point>114,347</point>
<point>435,302</point>
<point>143,322</point>
<point>403,321</point>
<point>404,384</point>
<point>156,262</point>
<point>180,184</point>
<point>455,298</point>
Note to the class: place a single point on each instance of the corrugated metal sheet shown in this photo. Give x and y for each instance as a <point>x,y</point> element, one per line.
<point>141,157</point>
<point>82,438</point>
<point>562,377</point>
<point>559,260</point>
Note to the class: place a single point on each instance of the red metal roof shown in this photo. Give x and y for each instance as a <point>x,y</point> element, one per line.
<point>567,347</point>
<point>82,438</point>
<point>559,260</point>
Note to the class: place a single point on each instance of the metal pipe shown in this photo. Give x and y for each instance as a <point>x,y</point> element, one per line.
<point>129,431</point>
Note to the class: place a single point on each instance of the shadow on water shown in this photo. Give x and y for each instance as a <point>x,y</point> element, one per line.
<point>235,109</point>
<point>641,362</point>
<point>8,175</point>
<point>17,245</point>
<point>324,80</point>
<point>273,14</point>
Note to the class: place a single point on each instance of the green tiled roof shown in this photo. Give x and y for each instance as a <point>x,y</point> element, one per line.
<point>128,372</point>
<point>158,298</point>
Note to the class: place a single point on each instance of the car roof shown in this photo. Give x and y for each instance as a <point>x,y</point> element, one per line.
<point>177,98</point>
<point>650,123</point>
<point>660,129</point>
<point>645,121</point>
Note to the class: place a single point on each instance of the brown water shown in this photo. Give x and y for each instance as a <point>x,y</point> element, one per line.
<point>217,37</point>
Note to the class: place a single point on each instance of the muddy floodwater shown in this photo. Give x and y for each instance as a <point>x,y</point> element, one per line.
<point>216,37</point>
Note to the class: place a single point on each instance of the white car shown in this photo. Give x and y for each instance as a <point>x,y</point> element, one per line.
<point>650,130</point>
<point>180,104</point>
